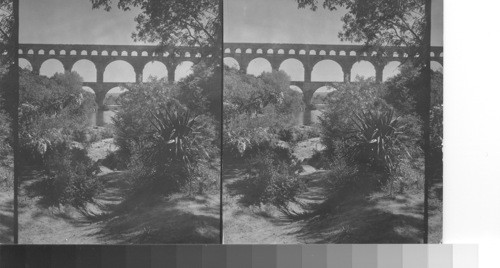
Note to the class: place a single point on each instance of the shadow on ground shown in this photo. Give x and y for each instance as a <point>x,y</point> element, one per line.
<point>6,219</point>
<point>363,217</point>
<point>120,217</point>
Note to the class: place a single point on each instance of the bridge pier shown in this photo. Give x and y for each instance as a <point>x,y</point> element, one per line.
<point>100,95</point>
<point>36,67</point>
<point>379,72</point>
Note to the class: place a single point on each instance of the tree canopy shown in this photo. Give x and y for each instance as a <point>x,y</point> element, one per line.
<point>175,22</point>
<point>7,44</point>
<point>379,23</point>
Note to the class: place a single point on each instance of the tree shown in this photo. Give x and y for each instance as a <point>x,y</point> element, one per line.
<point>7,49</point>
<point>379,23</point>
<point>175,22</point>
<point>7,26</point>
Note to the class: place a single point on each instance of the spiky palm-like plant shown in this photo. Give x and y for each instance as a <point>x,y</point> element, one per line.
<point>176,144</point>
<point>378,138</point>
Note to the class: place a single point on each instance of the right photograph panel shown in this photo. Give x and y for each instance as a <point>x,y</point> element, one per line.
<point>326,107</point>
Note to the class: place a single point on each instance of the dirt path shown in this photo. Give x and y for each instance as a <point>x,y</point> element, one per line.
<point>249,225</point>
<point>6,216</point>
<point>114,219</point>
<point>366,218</point>
<point>66,225</point>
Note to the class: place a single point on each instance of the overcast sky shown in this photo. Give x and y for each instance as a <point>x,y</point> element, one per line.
<point>281,21</point>
<point>74,21</point>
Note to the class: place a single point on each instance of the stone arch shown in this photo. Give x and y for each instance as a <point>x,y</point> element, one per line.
<point>296,88</point>
<point>259,65</point>
<point>72,52</point>
<point>294,68</point>
<point>270,51</point>
<point>227,50</point>
<point>433,54</point>
<point>352,53</point>
<point>119,71</point>
<point>94,53</point>
<point>187,54</point>
<point>238,50</point>
<point>198,55</point>
<point>154,69</point>
<point>395,54</point>
<point>20,51</point>
<point>134,54</point>
<point>124,53</point>
<point>436,66</point>
<point>259,51</point>
<point>104,53</point>
<point>41,52</point>
<point>50,67</point>
<point>183,70</point>
<point>62,52</point>
<point>320,94</point>
<point>342,53</point>
<point>327,70</point>
<point>248,51</point>
<point>391,69</point>
<point>291,51</point>
<point>441,54</point>
<point>112,95</point>
<point>322,53</point>
<point>88,89</point>
<point>24,64</point>
<point>30,52</point>
<point>84,53</point>
<point>332,53</point>
<point>86,69</point>
<point>362,69</point>
<point>302,52</point>
<point>281,51</point>
<point>231,63</point>
<point>52,52</point>
<point>114,53</point>
<point>144,54</point>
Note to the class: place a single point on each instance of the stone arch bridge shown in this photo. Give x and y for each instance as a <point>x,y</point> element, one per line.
<point>103,55</point>
<point>309,55</point>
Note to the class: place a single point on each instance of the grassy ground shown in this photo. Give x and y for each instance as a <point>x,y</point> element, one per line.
<point>371,218</point>
<point>118,216</point>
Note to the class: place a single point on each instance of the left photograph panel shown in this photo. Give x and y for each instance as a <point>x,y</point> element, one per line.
<point>119,121</point>
<point>8,97</point>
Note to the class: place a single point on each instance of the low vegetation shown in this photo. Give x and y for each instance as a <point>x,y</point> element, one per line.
<point>371,132</point>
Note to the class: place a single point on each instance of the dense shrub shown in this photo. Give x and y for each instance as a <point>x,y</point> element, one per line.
<point>165,143</point>
<point>5,137</point>
<point>376,140</point>
<point>361,130</point>
<point>272,180</point>
<point>245,133</point>
<point>257,111</point>
<point>51,110</point>
<point>70,177</point>
<point>336,123</point>
<point>436,129</point>
<point>298,133</point>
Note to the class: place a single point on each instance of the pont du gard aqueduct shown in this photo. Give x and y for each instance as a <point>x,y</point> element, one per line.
<point>306,55</point>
